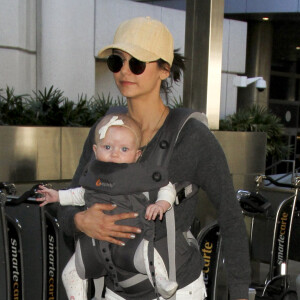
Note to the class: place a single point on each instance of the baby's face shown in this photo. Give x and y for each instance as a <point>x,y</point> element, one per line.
<point>119,146</point>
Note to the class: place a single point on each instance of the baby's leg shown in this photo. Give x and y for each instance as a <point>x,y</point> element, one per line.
<point>76,288</point>
<point>165,287</point>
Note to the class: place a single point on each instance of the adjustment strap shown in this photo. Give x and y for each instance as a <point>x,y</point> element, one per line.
<point>133,280</point>
<point>170,224</point>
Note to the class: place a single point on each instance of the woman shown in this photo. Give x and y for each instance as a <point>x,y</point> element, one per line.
<point>141,59</point>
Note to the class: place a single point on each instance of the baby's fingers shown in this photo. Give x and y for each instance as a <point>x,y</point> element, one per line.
<point>42,189</point>
<point>161,214</point>
<point>154,215</point>
<point>148,215</point>
<point>43,200</point>
<point>44,203</point>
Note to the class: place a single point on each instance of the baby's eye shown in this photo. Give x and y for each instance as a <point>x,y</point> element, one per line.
<point>124,149</point>
<point>107,147</point>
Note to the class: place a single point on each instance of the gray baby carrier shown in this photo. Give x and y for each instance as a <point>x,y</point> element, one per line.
<point>102,258</point>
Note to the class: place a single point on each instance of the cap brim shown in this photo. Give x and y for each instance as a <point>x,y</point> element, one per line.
<point>133,50</point>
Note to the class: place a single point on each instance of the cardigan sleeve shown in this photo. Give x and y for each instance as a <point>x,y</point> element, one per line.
<point>200,159</point>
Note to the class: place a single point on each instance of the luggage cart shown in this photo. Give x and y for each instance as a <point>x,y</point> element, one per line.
<point>33,251</point>
<point>273,215</point>
<point>273,212</point>
<point>209,241</point>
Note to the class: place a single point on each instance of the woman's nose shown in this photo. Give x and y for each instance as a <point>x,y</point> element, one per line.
<point>125,68</point>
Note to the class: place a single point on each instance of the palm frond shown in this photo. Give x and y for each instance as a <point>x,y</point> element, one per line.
<point>260,119</point>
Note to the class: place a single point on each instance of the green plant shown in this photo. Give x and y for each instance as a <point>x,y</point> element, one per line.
<point>45,107</point>
<point>11,107</point>
<point>76,114</point>
<point>176,103</point>
<point>51,108</point>
<point>259,119</point>
<point>100,105</point>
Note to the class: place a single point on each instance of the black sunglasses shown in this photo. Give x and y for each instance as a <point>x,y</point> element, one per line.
<point>115,64</point>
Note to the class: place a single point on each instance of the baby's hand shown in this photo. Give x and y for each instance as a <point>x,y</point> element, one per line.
<point>50,195</point>
<point>159,208</point>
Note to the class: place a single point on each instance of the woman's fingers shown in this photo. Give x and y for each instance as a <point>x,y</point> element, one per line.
<point>123,216</point>
<point>114,241</point>
<point>96,224</point>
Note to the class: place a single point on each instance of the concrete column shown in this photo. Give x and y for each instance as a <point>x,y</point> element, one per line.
<point>258,63</point>
<point>203,49</point>
<point>65,46</point>
<point>18,45</point>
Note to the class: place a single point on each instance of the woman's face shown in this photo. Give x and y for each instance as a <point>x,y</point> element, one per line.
<point>134,86</point>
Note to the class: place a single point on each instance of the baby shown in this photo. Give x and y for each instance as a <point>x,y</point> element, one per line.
<point>117,140</point>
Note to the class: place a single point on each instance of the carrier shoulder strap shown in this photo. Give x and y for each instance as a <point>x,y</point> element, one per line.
<point>174,123</point>
<point>163,153</point>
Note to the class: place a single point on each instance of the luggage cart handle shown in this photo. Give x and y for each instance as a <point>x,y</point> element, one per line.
<point>275,182</point>
<point>25,196</point>
<point>253,203</point>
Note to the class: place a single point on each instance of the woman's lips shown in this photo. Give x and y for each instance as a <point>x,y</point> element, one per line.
<point>126,83</point>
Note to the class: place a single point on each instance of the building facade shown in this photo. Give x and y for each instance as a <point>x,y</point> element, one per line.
<point>273,50</point>
<point>53,43</point>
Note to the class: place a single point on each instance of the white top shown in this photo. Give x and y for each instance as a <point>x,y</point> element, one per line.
<point>75,196</point>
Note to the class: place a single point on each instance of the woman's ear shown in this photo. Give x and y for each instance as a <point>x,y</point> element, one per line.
<point>165,72</point>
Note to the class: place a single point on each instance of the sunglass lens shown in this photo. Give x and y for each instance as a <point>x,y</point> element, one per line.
<point>114,63</point>
<point>137,67</point>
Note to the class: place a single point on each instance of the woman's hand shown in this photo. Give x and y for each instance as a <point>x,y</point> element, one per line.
<point>96,224</point>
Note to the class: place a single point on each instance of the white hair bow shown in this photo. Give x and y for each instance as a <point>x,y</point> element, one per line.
<point>112,122</point>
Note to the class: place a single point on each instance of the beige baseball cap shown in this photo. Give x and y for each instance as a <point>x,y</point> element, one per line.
<point>144,38</point>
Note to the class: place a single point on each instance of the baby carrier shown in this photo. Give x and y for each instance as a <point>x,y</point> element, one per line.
<point>150,176</point>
